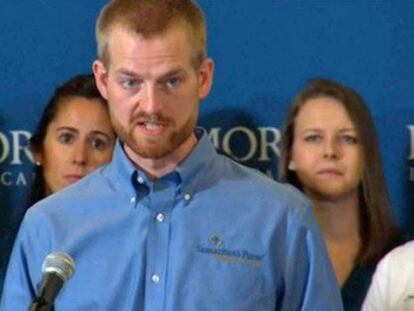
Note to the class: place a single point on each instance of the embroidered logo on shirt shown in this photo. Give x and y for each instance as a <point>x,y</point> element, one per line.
<point>216,241</point>
<point>237,256</point>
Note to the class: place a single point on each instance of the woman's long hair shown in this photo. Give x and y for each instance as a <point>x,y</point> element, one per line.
<point>79,86</point>
<point>377,227</point>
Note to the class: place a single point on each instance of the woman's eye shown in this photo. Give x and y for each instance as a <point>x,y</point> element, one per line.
<point>313,138</point>
<point>349,139</point>
<point>99,144</point>
<point>66,138</point>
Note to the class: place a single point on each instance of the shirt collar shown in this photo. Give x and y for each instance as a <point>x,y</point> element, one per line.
<point>122,170</point>
<point>187,173</point>
<point>192,169</point>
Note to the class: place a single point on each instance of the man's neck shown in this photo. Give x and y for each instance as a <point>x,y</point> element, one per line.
<point>156,168</point>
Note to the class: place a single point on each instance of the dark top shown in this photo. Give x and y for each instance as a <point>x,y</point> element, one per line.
<point>356,287</point>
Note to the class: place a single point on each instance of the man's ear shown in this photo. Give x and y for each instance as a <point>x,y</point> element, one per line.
<point>205,77</point>
<point>101,77</point>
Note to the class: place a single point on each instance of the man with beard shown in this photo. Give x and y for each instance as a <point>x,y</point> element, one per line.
<point>169,224</point>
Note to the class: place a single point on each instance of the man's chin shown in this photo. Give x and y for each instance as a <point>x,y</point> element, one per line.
<point>153,151</point>
<point>157,147</point>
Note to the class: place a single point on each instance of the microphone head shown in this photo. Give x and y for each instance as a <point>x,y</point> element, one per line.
<point>60,263</point>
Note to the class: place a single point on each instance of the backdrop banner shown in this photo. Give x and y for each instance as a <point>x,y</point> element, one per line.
<point>264,52</point>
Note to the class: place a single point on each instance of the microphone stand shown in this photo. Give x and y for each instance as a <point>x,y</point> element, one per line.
<point>39,306</point>
<point>51,286</point>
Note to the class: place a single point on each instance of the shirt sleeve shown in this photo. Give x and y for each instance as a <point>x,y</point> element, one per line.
<point>310,281</point>
<point>375,299</point>
<point>23,272</point>
<point>391,287</point>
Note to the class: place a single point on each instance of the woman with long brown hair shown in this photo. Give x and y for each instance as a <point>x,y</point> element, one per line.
<point>330,151</point>
<point>74,136</point>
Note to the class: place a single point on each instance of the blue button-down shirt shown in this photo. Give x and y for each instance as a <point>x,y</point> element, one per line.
<point>212,235</point>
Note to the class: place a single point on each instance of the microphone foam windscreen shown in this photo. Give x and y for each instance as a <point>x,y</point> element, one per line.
<point>60,263</point>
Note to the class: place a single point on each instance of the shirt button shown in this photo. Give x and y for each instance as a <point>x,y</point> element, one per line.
<point>155,278</point>
<point>132,200</point>
<point>160,217</point>
<point>187,197</point>
<point>140,180</point>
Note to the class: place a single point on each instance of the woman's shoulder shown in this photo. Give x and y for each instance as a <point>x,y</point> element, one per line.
<point>402,255</point>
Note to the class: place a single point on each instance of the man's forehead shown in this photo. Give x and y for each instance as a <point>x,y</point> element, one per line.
<point>157,73</point>
<point>177,30</point>
<point>129,49</point>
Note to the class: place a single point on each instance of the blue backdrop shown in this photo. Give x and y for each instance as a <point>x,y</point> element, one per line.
<point>264,51</point>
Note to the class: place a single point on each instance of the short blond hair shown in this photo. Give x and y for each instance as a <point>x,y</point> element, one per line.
<point>148,18</point>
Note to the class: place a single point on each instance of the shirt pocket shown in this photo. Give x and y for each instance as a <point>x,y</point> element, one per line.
<point>227,279</point>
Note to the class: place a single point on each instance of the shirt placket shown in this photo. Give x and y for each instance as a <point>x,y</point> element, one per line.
<point>161,200</point>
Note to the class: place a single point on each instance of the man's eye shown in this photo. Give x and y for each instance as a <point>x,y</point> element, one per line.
<point>129,83</point>
<point>66,138</point>
<point>172,83</point>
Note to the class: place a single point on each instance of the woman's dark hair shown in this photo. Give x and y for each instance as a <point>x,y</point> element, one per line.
<point>377,226</point>
<point>79,86</point>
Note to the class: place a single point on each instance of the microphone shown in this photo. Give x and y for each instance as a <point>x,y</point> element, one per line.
<point>57,268</point>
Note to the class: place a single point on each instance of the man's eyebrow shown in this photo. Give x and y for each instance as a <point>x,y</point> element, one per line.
<point>125,72</point>
<point>130,73</point>
<point>173,72</point>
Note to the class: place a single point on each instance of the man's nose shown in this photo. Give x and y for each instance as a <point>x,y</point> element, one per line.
<point>150,100</point>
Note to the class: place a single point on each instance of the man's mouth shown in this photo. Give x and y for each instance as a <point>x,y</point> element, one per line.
<point>151,128</point>
<point>151,125</point>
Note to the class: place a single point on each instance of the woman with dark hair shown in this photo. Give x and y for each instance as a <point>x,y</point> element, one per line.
<point>330,151</point>
<point>73,137</point>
